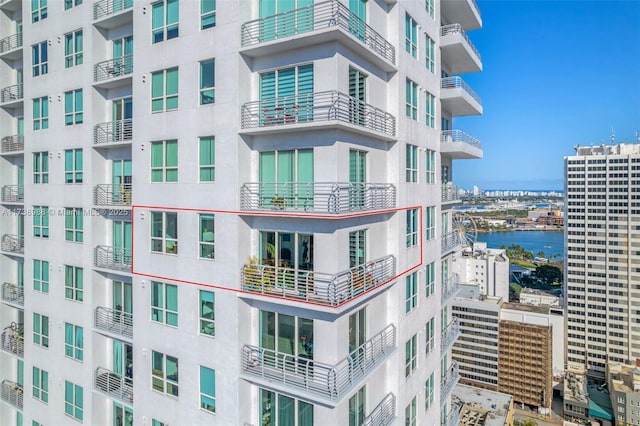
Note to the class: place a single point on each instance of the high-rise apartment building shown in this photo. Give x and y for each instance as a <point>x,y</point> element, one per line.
<point>602,266</point>
<point>230,212</point>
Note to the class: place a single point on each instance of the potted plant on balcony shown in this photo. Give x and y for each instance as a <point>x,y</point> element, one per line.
<point>277,202</point>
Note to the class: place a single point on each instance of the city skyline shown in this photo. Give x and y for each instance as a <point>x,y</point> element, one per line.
<point>572,51</point>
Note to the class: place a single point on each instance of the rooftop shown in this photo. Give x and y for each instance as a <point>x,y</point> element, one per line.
<point>540,309</point>
<point>472,292</point>
<point>482,407</point>
<point>617,149</point>
<point>624,378</point>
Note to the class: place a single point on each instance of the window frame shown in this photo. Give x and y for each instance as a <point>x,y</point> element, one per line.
<point>41,282</point>
<point>430,166</point>
<point>410,35</point>
<point>411,413</point>
<point>164,307</point>
<point>430,53</point>
<point>430,391</point>
<point>161,97</point>
<point>73,46</point>
<point>430,223</point>
<point>207,401</point>
<point>74,283</point>
<point>166,171</point>
<point>411,163</point>
<point>169,387</point>
<point>74,342</point>
<point>430,110</point>
<point>207,94</point>
<point>162,243</point>
<point>73,107</point>
<point>207,14</point>
<point>410,356</point>
<point>41,222</point>
<point>68,4</point>
<point>430,279</point>
<point>73,165</point>
<point>429,7</point>
<point>411,292</point>
<point>412,228</point>
<point>411,99</point>
<point>40,330</point>
<point>38,10</point>
<point>41,167</point>
<point>207,320</point>
<point>206,246</point>
<point>41,113</point>
<point>73,400</point>
<point>207,170</point>
<point>40,384</point>
<point>165,30</point>
<point>430,335</point>
<point>40,58</point>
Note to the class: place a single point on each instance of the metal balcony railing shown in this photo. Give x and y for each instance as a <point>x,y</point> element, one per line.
<point>458,83</point>
<point>317,197</point>
<point>448,382</point>
<point>113,131</point>
<point>450,287</point>
<point>449,335</point>
<point>12,243</point>
<point>114,385</point>
<point>112,194</point>
<point>14,143</point>
<point>450,241</point>
<point>320,288</point>
<point>116,258</point>
<point>104,8</point>
<point>314,108</point>
<point>453,417</point>
<point>14,41</point>
<point>13,293</point>
<point>315,17</point>
<point>12,193</point>
<point>317,378</point>
<point>11,93</point>
<point>13,339</point>
<point>12,393</point>
<point>448,136</point>
<point>452,29</point>
<point>450,192</point>
<point>114,321</point>
<point>113,68</point>
<point>383,414</point>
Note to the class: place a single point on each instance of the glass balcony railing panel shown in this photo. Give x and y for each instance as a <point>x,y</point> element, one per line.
<point>383,414</point>
<point>13,293</point>
<point>458,83</point>
<point>113,132</point>
<point>112,194</point>
<point>12,42</point>
<point>13,193</point>
<point>114,321</point>
<point>450,136</point>
<point>104,8</point>
<point>12,339</point>
<point>114,385</point>
<point>317,287</point>
<point>450,241</point>
<point>14,143</point>
<point>317,197</point>
<point>314,108</point>
<point>116,258</point>
<point>317,378</point>
<point>11,93</point>
<point>448,382</point>
<point>450,287</point>
<point>449,335</point>
<point>318,16</point>
<point>12,243</point>
<point>455,29</point>
<point>113,68</point>
<point>12,393</point>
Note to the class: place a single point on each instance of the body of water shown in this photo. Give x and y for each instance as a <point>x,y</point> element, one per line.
<point>550,242</point>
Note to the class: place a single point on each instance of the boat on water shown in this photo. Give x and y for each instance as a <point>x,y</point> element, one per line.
<point>547,246</point>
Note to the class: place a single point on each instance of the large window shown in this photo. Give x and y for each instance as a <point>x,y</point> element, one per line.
<point>73,166</point>
<point>411,292</point>
<point>41,113</point>
<point>412,227</point>
<point>282,94</point>
<point>73,224</point>
<point>41,276</point>
<point>164,373</point>
<point>430,53</point>
<point>73,283</point>
<point>207,236</point>
<point>411,35</point>
<point>207,82</point>
<point>357,407</point>
<point>430,223</point>
<point>41,221</point>
<point>410,413</point>
<point>41,385</point>
<point>73,107</point>
<point>430,335</point>
<point>164,161</point>
<point>164,303</point>
<point>207,159</point>
<point>207,313</point>
<point>429,391</point>
<point>430,166</point>
<point>430,279</point>
<point>73,400</point>
<point>208,389</point>
<point>428,5</point>
<point>430,111</point>
<point>286,179</point>
<point>73,341</point>
<point>411,163</point>
<point>287,334</point>
<point>164,232</point>
<point>73,48</point>
<point>41,167</point>
<point>164,20</point>
<point>39,58</point>
<point>38,10</point>
<point>164,90</point>
<point>410,355</point>
<point>207,14</point>
<point>278,409</point>
<point>411,99</point>
<point>68,4</point>
<point>41,330</point>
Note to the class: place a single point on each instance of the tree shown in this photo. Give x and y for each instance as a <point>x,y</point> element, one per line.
<point>541,255</point>
<point>529,422</point>
<point>549,273</point>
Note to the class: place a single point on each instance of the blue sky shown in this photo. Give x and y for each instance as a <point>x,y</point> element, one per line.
<point>555,74</point>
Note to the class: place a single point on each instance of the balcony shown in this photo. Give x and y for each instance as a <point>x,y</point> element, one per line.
<point>450,242</point>
<point>318,110</point>
<point>449,381</point>
<point>458,52</point>
<point>109,14</point>
<point>13,340</point>
<point>317,379</point>
<point>458,145</point>
<point>12,293</point>
<point>384,414</point>
<point>13,194</point>
<point>114,258</point>
<point>458,98</point>
<point>113,133</point>
<point>317,197</point>
<point>453,417</point>
<point>114,321</point>
<point>449,335</point>
<point>12,145</point>
<point>451,193</point>
<point>112,195</point>
<point>10,47</point>
<point>106,73</point>
<point>317,287</point>
<point>11,5</point>
<point>11,96</point>
<point>449,288</point>
<point>12,393</point>
<point>114,385</point>
<point>465,12</point>
<point>322,22</point>
<point>12,243</point>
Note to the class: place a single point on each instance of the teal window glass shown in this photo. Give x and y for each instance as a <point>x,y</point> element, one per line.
<point>429,391</point>
<point>430,166</point>
<point>207,236</point>
<point>41,167</point>
<point>73,224</point>
<point>430,335</point>
<point>207,159</point>
<point>411,99</point>
<point>164,303</point>
<point>410,355</point>
<point>164,161</point>
<point>207,14</point>
<point>430,279</point>
<point>40,58</point>
<point>207,313</point>
<point>411,163</point>
<point>164,373</point>
<point>41,221</point>
<point>428,5</point>
<point>73,400</point>
<point>411,35</point>
<point>38,10</point>
<point>73,341</point>
<point>430,222</point>
<point>73,283</point>
<point>41,330</point>
<point>164,232</point>
<point>40,385</point>
<point>430,53</point>
<point>207,82</point>
<point>41,276</point>
<point>410,413</point>
<point>73,106</point>
<point>207,389</point>
<point>164,90</point>
<point>68,4</point>
<point>73,166</point>
<point>411,292</point>
<point>164,20</point>
<point>430,111</point>
<point>412,227</point>
<point>73,49</point>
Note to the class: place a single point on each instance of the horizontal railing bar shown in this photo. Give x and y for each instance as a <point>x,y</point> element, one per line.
<point>456,82</point>
<point>451,29</point>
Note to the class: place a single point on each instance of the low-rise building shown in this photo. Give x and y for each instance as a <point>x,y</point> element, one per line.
<point>624,389</point>
<point>487,268</point>
<point>482,407</point>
